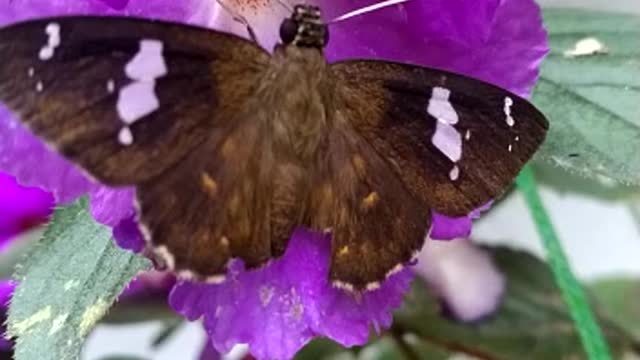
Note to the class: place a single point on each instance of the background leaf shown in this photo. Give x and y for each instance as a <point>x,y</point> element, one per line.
<point>67,284</point>
<point>532,324</point>
<point>619,299</point>
<point>592,101</point>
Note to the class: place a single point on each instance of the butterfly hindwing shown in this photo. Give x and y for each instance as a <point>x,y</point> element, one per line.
<point>376,225</point>
<point>455,142</point>
<point>124,98</point>
<point>233,197</point>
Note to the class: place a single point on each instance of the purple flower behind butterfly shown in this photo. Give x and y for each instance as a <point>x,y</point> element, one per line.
<point>281,307</point>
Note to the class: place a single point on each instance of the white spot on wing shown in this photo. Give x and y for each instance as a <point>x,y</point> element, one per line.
<point>446,137</point>
<point>467,135</point>
<point>48,50</point>
<point>454,173</point>
<point>111,86</point>
<point>148,64</point>
<point>136,101</point>
<point>125,136</point>
<point>508,103</point>
<point>510,147</point>
<point>39,86</point>
<point>31,72</point>
<point>439,106</point>
<point>448,140</point>
<point>139,98</point>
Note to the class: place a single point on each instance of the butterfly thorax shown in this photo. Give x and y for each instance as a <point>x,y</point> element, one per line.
<point>297,90</point>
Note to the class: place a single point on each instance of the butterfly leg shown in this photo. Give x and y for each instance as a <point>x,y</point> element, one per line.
<point>241,19</point>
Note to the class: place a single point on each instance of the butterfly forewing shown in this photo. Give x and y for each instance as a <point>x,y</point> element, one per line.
<point>455,142</point>
<point>125,99</point>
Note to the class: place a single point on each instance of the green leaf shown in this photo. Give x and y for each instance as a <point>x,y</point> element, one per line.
<point>323,349</point>
<point>67,284</point>
<point>592,101</point>
<point>619,299</point>
<point>533,322</point>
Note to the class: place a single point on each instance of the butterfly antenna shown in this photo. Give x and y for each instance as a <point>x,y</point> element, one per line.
<point>366,9</point>
<point>239,18</point>
<point>285,5</point>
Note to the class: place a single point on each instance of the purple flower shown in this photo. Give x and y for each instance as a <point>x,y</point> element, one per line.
<point>282,306</point>
<point>21,208</point>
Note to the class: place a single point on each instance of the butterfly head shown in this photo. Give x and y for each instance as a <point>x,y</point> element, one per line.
<point>305,28</point>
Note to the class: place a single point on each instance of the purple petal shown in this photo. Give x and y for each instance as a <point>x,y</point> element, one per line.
<point>21,208</point>
<point>33,164</point>
<point>447,228</point>
<point>128,236</point>
<point>209,352</point>
<point>190,11</point>
<point>116,4</point>
<point>463,276</point>
<point>485,39</point>
<point>279,308</point>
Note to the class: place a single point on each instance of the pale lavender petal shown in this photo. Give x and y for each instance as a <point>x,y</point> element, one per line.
<point>463,276</point>
<point>281,307</point>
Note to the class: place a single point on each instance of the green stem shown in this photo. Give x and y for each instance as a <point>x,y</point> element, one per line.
<point>590,334</point>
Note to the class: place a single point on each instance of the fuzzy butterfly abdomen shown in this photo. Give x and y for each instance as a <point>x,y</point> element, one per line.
<point>298,96</point>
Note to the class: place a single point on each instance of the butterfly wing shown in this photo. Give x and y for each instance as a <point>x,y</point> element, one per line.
<point>376,224</point>
<point>441,141</point>
<point>158,105</point>
<point>124,98</point>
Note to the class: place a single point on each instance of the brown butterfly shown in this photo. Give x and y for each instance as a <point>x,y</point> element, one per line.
<point>230,148</point>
